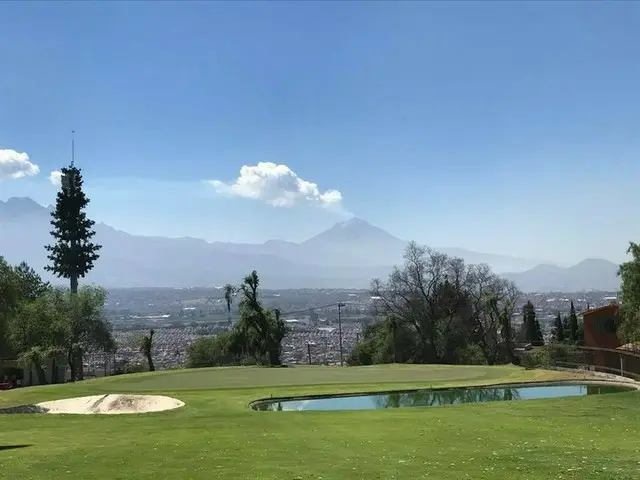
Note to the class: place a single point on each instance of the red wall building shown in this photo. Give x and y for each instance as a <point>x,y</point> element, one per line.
<point>600,330</point>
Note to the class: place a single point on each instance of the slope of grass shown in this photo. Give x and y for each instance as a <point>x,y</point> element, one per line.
<point>217,436</point>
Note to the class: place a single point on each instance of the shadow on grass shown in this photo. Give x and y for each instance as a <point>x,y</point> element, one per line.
<point>13,447</point>
<point>24,409</point>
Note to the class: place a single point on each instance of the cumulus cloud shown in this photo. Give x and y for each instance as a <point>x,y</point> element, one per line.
<point>56,178</point>
<point>16,165</point>
<point>279,186</point>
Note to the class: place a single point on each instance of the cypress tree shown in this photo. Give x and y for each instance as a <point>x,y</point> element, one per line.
<point>72,255</point>
<point>539,339</point>
<point>558,331</point>
<point>529,320</point>
<point>573,324</point>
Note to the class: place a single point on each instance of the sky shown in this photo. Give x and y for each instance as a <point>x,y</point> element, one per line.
<point>502,127</point>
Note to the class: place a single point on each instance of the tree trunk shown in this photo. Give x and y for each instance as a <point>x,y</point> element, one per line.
<point>42,378</point>
<point>274,356</point>
<point>54,371</point>
<point>73,283</point>
<point>394,342</point>
<point>80,367</point>
<point>71,360</point>
<point>152,368</point>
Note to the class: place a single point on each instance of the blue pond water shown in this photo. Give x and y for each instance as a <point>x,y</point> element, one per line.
<point>424,398</point>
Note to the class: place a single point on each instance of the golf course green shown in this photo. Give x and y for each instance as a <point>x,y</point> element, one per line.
<point>216,434</point>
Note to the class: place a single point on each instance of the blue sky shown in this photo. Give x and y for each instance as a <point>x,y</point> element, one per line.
<point>504,127</point>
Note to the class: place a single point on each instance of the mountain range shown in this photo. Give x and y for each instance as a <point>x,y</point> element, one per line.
<point>347,255</point>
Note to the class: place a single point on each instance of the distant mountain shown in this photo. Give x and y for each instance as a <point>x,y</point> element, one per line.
<point>354,242</point>
<point>357,243</point>
<point>590,274</point>
<point>21,208</point>
<point>347,255</point>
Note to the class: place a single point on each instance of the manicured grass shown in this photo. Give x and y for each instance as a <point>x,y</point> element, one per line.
<point>217,436</point>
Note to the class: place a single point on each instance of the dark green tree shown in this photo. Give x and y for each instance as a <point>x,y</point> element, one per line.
<point>558,330</point>
<point>629,272</point>
<point>539,338</point>
<point>72,255</point>
<point>507,332</point>
<point>261,330</point>
<point>19,286</point>
<point>573,324</point>
<point>255,338</point>
<point>566,328</point>
<point>437,309</point>
<point>213,351</point>
<point>145,345</point>
<point>529,322</point>
<point>30,284</point>
<point>229,293</point>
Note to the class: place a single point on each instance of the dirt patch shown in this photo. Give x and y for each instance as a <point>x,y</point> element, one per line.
<point>109,404</point>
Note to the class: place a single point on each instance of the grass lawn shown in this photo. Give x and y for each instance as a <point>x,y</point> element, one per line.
<point>216,436</point>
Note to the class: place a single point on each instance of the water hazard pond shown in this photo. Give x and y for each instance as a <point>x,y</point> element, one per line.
<point>430,398</point>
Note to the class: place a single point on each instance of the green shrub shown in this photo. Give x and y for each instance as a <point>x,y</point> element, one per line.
<point>211,351</point>
<point>536,358</point>
<point>562,352</point>
<point>362,354</point>
<point>471,354</point>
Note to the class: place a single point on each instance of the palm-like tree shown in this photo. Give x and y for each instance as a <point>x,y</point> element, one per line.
<point>34,358</point>
<point>229,293</point>
<point>146,345</point>
<point>55,355</point>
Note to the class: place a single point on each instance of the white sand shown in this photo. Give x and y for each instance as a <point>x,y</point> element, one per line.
<point>103,404</point>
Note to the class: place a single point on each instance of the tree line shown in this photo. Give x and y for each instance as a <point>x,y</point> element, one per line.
<point>433,309</point>
<point>567,329</point>
<point>43,326</point>
<point>437,309</point>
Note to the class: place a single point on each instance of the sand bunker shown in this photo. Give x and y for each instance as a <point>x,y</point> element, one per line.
<point>102,404</point>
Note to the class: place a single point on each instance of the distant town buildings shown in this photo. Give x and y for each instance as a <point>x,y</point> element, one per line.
<point>179,316</point>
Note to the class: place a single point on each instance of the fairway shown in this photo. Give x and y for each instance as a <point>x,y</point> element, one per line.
<point>216,435</point>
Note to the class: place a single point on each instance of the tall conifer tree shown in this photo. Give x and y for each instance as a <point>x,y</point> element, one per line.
<point>73,254</point>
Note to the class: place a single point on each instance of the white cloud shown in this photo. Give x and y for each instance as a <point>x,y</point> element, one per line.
<point>279,186</point>
<point>16,165</point>
<point>56,178</point>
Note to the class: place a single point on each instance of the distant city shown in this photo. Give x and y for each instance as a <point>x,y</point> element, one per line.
<point>179,316</point>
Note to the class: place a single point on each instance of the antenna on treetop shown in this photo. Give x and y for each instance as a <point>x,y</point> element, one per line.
<point>73,147</point>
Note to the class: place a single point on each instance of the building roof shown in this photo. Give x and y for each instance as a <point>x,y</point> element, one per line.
<point>632,347</point>
<point>613,307</point>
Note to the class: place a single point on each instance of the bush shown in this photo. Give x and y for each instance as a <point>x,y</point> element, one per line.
<point>134,367</point>
<point>536,358</point>
<point>562,352</point>
<point>211,352</point>
<point>362,354</point>
<point>471,354</point>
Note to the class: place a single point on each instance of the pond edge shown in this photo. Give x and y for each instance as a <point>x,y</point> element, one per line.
<point>630,385</point>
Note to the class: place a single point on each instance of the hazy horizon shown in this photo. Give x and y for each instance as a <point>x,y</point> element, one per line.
<point>345,221</point>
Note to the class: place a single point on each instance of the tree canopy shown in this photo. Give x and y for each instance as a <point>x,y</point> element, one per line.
<point>73,253</point>
<point>629,272</point>
<point>145,345</point>
<point>41,324</point>
<point>255,338</point>
<point>436,309</point>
